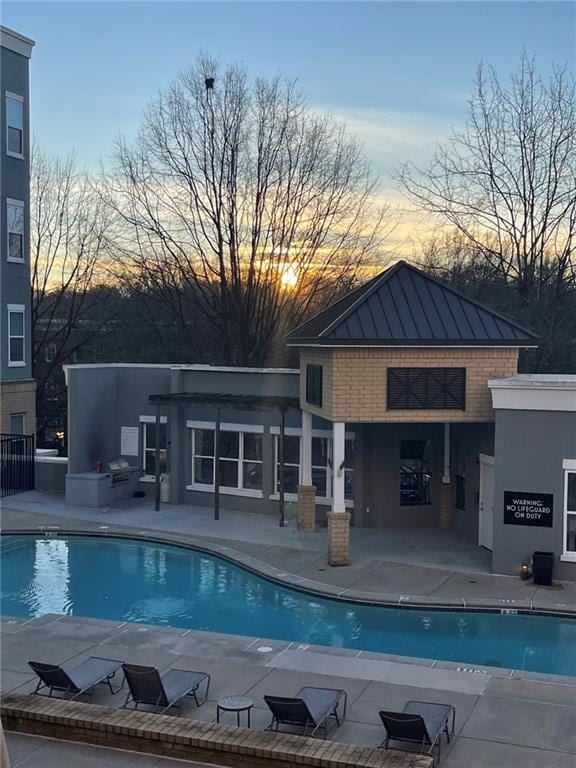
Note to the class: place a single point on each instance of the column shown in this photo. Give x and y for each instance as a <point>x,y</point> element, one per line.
<point>338,518</point>
<point>446,486</point>
<point>306,491</point>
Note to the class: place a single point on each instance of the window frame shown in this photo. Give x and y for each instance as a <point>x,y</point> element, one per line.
<point>241,429</point>
<point>23,417</point>
<point>322,433</point>
<point>15,309</point>
<point>569,468</point>
<point>314,384</point>
<point>9,95</point>
<point>143,422</point>
<point>12,202</point>
<point>420,474</point>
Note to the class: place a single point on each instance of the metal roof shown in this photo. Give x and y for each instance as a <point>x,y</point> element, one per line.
<point>404,306</point>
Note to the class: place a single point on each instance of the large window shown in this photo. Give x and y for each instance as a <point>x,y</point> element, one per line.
<point>15,229</point>
<point>14,125</point>
<point>314,384</point>
<point>149,448</point>
<point>570,513</point>
<point>16,335</point>
<point>321,465</point>
<point>414,472</point>
<point>420,389</point>
<point>240,459</point>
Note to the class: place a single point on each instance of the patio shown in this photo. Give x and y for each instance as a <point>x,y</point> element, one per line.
<point>503,718</point>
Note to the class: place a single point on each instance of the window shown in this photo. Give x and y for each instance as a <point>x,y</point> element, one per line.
<point>240,459</point>
<point>16,335</point>
<point>460,492</point>
<point>15,229</point>
<point>149,448</point>
<point>570,514</point>
<point>14,125</point>
<point>426,389</point>
<point>414,472</point>
<point>17,424</point>
<point>291,463</point>
<point>314,384</point>
<point>50,352</point>
<point>321,465</point>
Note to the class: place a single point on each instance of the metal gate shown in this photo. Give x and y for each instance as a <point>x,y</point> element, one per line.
<point>16,463</point>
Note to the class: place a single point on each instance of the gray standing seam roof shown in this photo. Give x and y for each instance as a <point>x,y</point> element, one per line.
<point>405,306</point>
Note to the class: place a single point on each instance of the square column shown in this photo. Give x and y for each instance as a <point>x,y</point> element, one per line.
<point>446,485</point>
<point>306,491</point>
<point>338,518</point>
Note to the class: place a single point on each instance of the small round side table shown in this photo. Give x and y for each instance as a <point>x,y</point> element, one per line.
<point>235,704</point>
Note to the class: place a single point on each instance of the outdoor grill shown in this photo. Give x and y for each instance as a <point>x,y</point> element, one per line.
<point>119,471</point>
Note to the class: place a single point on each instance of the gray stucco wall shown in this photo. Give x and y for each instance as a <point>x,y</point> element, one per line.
<point>381,476</point>
<point>530,449</point>
<point>467,442</point>
<point>14,182</point>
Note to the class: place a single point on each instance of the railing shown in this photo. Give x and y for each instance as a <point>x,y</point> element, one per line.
<point>16,464</point>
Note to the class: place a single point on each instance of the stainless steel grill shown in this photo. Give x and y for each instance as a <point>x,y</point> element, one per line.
<point>119,471</point>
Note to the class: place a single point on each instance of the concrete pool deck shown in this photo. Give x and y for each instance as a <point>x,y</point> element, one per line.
<point>435,568</point>
<point>504,719</point>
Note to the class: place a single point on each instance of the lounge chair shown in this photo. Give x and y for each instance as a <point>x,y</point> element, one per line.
<point>420,722</point>
<point>311,709</point>
<point>147,686</point>
<point>78,680</point>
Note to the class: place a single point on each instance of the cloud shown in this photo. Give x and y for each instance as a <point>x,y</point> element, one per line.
<point>393,137</point>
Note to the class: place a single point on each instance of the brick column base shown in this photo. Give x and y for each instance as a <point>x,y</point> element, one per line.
<point>445,505</point>
<point>338,538</point>
<point>306,508</point>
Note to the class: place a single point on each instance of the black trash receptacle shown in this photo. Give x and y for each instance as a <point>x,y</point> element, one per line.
<point>542,567</point>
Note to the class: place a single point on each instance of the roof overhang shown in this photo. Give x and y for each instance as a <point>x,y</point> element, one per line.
<point>224,400</point>
<point>16,42</point>
<point>534,392</point>
<point>409,343</point>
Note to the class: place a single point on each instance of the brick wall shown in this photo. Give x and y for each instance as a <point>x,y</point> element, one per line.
<point>355,381</point>
<point>178,737</point>
<point>18,397</point>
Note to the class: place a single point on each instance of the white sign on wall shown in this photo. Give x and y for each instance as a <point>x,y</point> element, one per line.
<point>129,441</point>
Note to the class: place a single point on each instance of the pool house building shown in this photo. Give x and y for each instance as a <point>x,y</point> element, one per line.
<point>406,412</point>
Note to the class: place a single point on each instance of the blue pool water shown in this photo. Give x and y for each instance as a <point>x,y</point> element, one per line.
<point>130,580</point>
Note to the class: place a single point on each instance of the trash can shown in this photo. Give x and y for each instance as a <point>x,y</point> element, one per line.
<point>542,566</point>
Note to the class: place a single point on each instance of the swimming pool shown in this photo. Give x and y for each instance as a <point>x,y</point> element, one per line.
<point>140,581</point>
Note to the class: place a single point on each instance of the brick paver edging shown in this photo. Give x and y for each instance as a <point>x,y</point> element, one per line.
<point>186,739</point>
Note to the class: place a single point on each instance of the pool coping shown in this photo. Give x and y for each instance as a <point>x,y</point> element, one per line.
<point>268,573</point>
<point>310,586</point>
<point>271,573</point>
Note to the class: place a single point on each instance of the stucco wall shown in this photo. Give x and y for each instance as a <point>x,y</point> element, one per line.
<point>530,448</point>
<point>355,379</point>
<point>14,181</point>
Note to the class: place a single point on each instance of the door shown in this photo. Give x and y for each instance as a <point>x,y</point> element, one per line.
<point>486,506</point>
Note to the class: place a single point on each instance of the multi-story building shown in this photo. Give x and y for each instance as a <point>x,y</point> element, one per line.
<point>17,394</point>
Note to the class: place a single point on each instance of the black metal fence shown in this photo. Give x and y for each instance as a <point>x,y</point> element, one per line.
<point>16,463</point>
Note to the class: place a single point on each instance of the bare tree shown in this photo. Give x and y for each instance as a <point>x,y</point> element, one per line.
<point>507,181</point>
<point>67,247</point>
<point>239,197</point>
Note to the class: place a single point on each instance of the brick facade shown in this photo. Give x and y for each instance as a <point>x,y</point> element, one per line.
<point>338,538</point>
<point>306,508</point>
<point>354,381</point>
<point>18,397</point>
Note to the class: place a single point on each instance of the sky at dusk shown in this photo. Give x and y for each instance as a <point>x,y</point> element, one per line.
<point>398,73</point>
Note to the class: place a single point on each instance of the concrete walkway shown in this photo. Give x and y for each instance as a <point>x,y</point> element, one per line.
<point>503,719</point>
<point>430,567</point>
<point>27,751</point>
